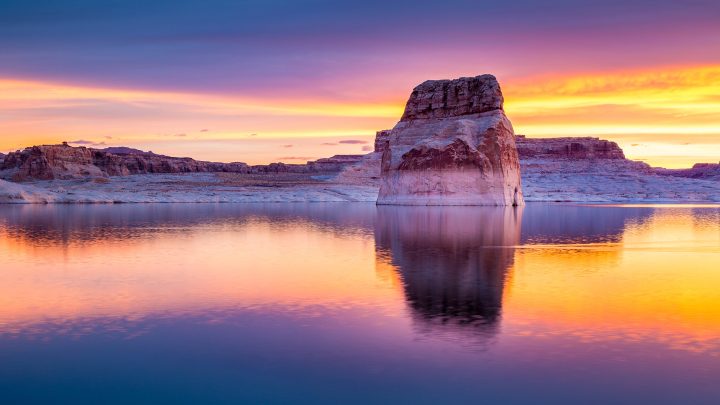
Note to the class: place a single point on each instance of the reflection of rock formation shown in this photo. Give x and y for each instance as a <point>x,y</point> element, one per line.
<point>453,261</point>
<point>59,224</point>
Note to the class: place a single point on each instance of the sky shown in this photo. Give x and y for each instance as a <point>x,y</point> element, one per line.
<point>293,80</point>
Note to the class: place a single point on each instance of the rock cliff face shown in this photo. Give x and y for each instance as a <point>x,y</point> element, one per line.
<point>49,162</point>
<point>703,171</point>
<point>453,146</point>
<point>367,170</point>
<point>567,148</point>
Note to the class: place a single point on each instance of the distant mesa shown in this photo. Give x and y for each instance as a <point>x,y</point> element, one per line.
<point>453,146</point>
<point>581,148</point>
<point>702,171</point>
<point>124,150</point>
<point>65,162</point>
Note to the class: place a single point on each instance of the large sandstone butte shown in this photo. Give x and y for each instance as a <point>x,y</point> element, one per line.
<point>453,146</point>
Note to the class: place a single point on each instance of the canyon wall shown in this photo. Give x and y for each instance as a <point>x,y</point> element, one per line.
<point>702,171</point>
<point>567,148</point>
<point>49,162</point>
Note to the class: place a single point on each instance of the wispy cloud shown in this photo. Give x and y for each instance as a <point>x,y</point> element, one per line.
<point>84,142</point>
<point>304,158</point>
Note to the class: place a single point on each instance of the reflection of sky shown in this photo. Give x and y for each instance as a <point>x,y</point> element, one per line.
<point>264,301</point>
<point>199,78</point>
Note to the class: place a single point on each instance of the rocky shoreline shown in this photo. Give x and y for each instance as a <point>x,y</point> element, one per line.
<point>581,170</point>
<point>452,146</point>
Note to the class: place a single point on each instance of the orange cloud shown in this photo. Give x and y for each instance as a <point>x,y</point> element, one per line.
<point>672,113</point>
<point>662,107</point>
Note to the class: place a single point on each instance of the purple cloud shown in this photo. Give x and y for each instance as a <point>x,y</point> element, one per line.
<point>86,143</point>
<point>296,158</point>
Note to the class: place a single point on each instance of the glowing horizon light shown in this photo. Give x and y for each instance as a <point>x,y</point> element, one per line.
<point>671,112</point>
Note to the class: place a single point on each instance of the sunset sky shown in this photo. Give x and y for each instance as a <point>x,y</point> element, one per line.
<point>282,80</point>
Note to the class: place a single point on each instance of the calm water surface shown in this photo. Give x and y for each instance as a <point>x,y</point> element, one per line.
<point>349,303</point>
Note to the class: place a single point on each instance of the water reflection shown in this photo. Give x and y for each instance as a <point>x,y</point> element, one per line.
<point>453,262</point>
<point>72,224</point>
<point>578,224</point>
<point>349,303</point>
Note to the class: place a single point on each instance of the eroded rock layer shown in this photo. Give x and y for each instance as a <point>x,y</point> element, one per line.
<point>453,146</point>
<point>50,162</point>
<point>569,148</point>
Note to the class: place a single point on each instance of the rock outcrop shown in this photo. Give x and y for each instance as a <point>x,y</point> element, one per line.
<point>453,146</point>
<point>367,170</point>
<point>333,164</point>
<point>50,162</point>
<point>703,171</point>
<point>567,148</point>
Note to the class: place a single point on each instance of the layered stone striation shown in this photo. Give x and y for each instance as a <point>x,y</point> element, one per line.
<point>49,162</point>
<point>580,148</point>
<point>453,146</point>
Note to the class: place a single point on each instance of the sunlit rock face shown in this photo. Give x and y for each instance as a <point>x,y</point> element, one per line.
<point>453,261</point>
<point>453,146</point>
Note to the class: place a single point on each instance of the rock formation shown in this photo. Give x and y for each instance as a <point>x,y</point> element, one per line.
<point>49,162</point>
<point>567,148</point>
<point>703,171</point>
<point>333,164</point>
<point>367,170</point>
<point>453,146</point>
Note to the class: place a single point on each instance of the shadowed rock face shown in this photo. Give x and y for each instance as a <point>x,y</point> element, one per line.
<point>453,146</point>
<point>455,155</point>
<point>703,171</point>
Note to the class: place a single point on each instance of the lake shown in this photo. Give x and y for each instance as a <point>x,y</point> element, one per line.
<point>352,303</point>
